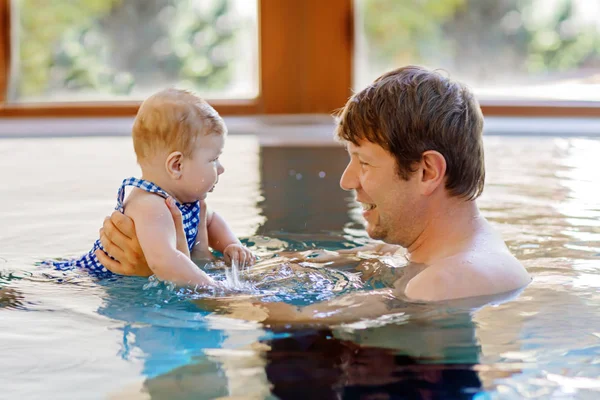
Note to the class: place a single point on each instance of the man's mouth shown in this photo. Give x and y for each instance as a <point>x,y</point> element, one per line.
<point>367,206</point>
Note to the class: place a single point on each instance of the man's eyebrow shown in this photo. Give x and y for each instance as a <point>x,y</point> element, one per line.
<point>361,155</point>
<point>354,152</point>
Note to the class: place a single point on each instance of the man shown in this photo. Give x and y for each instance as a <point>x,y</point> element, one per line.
<point>416,164</point>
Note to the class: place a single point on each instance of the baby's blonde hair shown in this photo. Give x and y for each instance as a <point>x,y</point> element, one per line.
<point>171,120</point>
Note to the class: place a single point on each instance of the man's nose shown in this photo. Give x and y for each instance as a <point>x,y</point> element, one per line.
<point>220,168</point>
<point>349,179</point>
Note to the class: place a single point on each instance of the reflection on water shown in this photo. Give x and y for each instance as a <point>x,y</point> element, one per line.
<point>317,364</point>
<point>294,180</point>
<point>113,338</point>
<point>323,366</point>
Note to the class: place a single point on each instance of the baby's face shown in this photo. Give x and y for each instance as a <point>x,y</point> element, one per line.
<point>201,171</point>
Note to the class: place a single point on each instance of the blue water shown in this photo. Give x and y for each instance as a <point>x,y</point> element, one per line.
<point>67,335</point>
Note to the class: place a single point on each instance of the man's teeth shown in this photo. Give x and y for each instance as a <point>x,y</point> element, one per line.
<point>367,207</point>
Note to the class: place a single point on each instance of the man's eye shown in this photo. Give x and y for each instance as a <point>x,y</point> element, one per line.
<point>362,163</point>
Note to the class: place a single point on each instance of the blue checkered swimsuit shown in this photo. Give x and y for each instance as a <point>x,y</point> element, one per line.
<point>189,211</point>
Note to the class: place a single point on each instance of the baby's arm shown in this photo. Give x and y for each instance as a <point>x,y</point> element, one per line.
<point>220,237</point>
<point>220,234</point>
<point>155,230</point>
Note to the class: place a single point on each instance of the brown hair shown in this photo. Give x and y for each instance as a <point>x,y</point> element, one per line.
<point>412,110</point>
<point>172,119</point>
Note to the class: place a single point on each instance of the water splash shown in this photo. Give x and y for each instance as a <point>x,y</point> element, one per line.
<point>233,279</point>
<point>153,282</point>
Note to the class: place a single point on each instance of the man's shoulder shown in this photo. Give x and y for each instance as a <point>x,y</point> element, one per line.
<point>468,274</point>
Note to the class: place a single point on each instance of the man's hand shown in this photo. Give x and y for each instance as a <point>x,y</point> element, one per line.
<point>239,254</point>
<point>119,239</point>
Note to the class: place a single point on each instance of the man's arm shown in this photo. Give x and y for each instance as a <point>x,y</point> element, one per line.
<point>341,257</point>
<point>349,308</point>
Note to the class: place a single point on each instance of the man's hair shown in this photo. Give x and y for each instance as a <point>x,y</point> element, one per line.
<point>171,120</point>
<point>412,110</point>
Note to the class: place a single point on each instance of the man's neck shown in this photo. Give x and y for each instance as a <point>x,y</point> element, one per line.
<point>449,230</point>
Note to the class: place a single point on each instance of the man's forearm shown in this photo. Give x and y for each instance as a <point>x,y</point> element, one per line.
<point>345,309</point>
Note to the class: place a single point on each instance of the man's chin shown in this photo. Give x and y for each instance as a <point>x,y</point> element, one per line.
<point>376,233</point>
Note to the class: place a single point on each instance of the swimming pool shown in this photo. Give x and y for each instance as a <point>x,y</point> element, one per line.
<point>64,335</point>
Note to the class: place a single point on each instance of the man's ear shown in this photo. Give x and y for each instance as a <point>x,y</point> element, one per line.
<point>173,165</point>
<point>433,165</point>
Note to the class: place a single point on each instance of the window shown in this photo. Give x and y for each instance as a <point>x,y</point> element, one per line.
<point>115,50</point>
<point>514,50</point>
<point>74,58</point>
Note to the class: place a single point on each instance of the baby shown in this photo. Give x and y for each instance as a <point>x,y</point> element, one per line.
<point>178,139</point>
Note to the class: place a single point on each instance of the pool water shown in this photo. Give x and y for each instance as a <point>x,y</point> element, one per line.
<point>67,335</point>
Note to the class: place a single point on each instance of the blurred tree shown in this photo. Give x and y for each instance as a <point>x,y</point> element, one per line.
<point>115,47</point>
<point>42,24</point>
<point>560,41</point>
<point>402,31</point>
<point>481,40</point>
<point>501,40</point>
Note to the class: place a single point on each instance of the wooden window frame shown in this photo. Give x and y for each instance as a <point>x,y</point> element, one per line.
<point>305,68</point>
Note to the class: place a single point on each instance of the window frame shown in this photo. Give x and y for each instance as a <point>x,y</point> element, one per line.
<point>301,72</point>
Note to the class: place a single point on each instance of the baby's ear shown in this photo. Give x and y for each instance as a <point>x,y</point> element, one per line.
<point>174,164</point>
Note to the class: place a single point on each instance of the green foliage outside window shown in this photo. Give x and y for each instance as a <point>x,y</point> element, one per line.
<point>114,47</point>
<point>481,40</point>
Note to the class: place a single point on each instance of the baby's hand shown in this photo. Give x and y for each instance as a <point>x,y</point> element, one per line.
<point>239,254</point>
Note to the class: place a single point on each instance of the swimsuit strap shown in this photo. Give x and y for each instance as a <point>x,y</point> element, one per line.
<point>138,183</point>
